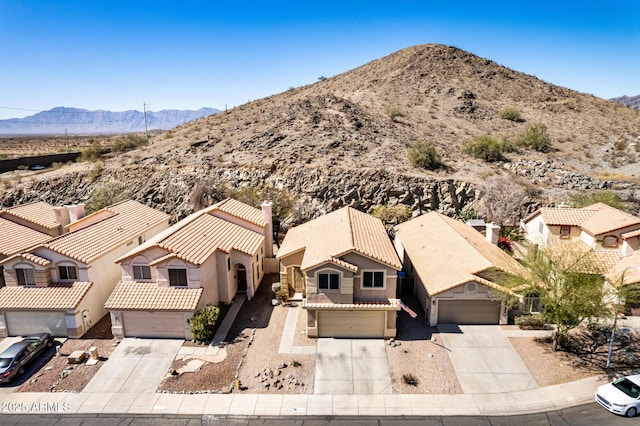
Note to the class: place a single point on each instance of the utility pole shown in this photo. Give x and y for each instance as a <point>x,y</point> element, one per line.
<point>146,130</point>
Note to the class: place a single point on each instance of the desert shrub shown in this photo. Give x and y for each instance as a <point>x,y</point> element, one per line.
<point>423,154</point>
<point>610,198</point>
<point>485,147</point>
<point>392,214</point>
<point>202,324</point>
<point>536,138</point>
<point>410,379</point>
<point>94,173</point>
<point>296,363</point>
<point>105,195</point>
<point>275,287</point>
<point>128,142</point>
<point>282,296</point>
<point>92,152</point>
<point>531,322</point>
<point>393,111</point>
<point>510,113</point>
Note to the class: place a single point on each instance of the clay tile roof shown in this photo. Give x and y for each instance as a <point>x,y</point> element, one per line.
<point>335,261</point>
<point>55,297</point>
<point>608,219</point>
<point>565,215</point>
<point>15,238</point>
<point>31,257</point>
<point>239,209</point>
<point>630,266</point>
<point>138,296</point>
<point>198,236</point>
<point>337,233</point>
<point>374,305</point>
<point>631,234</point>
<point>38,212</point>
<point>446,253</point>
<point>129,220</point>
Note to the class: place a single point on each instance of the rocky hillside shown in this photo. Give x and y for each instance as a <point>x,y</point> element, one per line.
<point>344,140</point>
<point>630,101</point>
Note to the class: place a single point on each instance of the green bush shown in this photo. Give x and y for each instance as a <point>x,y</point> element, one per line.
<point>202,324</point>
<point>92,152</point>
<point>392,214</point>
<point>423,154</point>
<point>510,113</point>
<point>610,198</point>
<point>104,195</point>
<point>531,322</point>
<point>485,147</point>
<point>536,137</point>
<point>128,142</point>
<point>95,171</point>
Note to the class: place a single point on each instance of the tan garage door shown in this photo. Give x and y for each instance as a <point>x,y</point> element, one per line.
<point>468,312</point>
<point>22,323</point>
<point>154,324</point>
<point>351,323</point>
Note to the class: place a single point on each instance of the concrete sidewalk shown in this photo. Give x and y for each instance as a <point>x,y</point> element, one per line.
<point>529,401</point>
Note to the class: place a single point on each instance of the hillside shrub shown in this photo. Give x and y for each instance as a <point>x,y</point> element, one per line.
<point>485,147</point>
<point>393,111</point>
<point>423,154</point>
<point>128,142</point>
<point>536,138</point>
<point>510,113</point>
<point>392,214</point>
<point>105,195</point>
<point>610,198</point>
<point>202,324</point>
<point>531,322</point>
<point>94,173</point>
<point>92,152</point>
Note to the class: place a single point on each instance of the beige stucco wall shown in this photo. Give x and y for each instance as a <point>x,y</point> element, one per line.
<point>286,268</point>
<point>367,264</point>
<point>343,295</point>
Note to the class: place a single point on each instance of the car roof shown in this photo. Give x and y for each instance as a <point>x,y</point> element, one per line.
<point>635,379</point>
<point>15,349</point>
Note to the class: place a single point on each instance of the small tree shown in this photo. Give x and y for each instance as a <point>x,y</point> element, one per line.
<point>104,195</point>
<point>570,288</point>
<point>202,324</point>
<point>423,154</point>
<point>584,199</point>
<point>536,138</point>
<point>485,147</point>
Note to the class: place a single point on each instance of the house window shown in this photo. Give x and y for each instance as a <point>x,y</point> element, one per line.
<point>565,231</point>
<point>25,276</point>
<point>329,281</point>
<point>177,277</point>
<point>140,240</point>
<point>141,272</point>
<point>67,272</point>
<point>228,264</point>
<point>610,241</point>
<point>373,279</point>
<point>540,227</point>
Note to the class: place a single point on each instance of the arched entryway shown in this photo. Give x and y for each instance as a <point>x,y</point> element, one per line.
<point>241,278</point>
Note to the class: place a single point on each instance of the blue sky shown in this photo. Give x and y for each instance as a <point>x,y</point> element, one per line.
<point>116,55</point>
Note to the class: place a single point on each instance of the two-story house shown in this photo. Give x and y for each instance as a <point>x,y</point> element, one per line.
<point>346,266</point>
<point>204,259</point>
<point>61,285</point>
<point>456,270</point>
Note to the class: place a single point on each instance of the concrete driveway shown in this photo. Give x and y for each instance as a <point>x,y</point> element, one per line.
<point>351,366</point>
<point>484,359</point>
<point>136,366</point>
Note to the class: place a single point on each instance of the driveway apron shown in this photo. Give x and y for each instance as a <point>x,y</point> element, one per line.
<point>351,367</point>
<point>136,366</point>
<point>484,359</point>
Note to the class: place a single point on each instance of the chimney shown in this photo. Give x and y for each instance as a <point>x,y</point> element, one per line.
<point>492,233</point>
<point>267,216</point>
<point>62,218</point>
<point>76,212</point>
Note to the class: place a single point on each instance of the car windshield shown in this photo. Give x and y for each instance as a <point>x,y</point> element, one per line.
<point>628,387</point>
<point>4,362</point>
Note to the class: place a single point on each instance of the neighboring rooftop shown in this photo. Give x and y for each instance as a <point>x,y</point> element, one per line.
<point>57,296</point>
<point>15,238</point>
<point>238,209</point>
<point>335,234</point>
<point>135,296</point>
<point>126,221</point>
<point>38,213</point>
<point>446,253</point>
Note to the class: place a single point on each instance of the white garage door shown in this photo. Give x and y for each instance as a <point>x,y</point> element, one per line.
<point>154,324</point>
<point>350,324</point>
<point>468,312</point>
<point>21,323</point>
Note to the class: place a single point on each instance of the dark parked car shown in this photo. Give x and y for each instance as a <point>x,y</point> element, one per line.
<point>16,357</point>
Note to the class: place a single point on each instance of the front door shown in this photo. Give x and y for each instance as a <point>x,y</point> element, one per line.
<point>241,274</point>
<point>298,280</point>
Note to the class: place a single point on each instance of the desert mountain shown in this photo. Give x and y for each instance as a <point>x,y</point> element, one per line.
<point>630,101</point>
<point>344,140</point>
<point>81,121</point>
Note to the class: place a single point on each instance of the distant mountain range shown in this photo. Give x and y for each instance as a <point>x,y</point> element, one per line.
<point>81,121</point>
<point>630,101</point>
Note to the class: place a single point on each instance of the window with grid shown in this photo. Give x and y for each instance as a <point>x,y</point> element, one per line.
<point>67,272</point>
<point>373,279</point>
<point>25,276</point>
<point>328,281</point>
<point>177,277</point>
<point>141,272</point>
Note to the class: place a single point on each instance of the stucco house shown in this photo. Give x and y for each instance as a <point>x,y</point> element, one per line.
<point>345,265</point>
<point>204,259</point>
<point>61,285</point>
<point>456,269</point>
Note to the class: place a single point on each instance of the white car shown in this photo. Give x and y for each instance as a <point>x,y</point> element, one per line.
<point>622,396</point>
